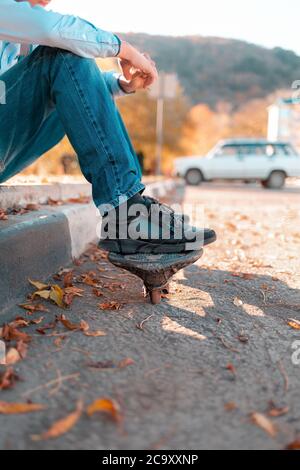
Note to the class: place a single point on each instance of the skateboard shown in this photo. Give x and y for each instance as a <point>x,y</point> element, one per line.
<point>155,270</point>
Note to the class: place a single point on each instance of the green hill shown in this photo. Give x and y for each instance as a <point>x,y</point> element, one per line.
<point>215,69</point>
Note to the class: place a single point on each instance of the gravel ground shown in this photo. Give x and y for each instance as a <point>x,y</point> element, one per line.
<point>209,368</point>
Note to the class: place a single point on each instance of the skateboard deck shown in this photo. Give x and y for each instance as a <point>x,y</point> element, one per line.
<point>155,270</point>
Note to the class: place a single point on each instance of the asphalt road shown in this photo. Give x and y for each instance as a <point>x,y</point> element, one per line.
<point>204,365</point>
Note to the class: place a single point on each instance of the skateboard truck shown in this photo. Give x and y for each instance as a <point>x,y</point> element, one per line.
<point>155,270</point>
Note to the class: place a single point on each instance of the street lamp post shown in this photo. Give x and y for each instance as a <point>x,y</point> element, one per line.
<point>165,88</point>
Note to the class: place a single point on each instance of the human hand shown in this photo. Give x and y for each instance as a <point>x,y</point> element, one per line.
<point>133,62</point>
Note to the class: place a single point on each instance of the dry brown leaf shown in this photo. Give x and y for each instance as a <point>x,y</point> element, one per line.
<point>68,324</point>
<point>40,286</point>
<point>84,326</point>
<point>62,426</point>
<point>8,379</point>
<point>277,412</point>
<point>97,293</point>
<point>231,406</point>
<point>264,423</point>
<point>19,323</point>
<point>294,445</point>
<point>110,306</point>
<point>32,207</point>
<point>126,363</point>
<point>295,324</point>
<point>43,294</point>
<point>107,406</point>
<point>37,321</point>
<point>3,215</point>
<point>34,308</point>
<point>68,279</point>
<point>231,368</point>
<point>89,280</point>
<point>19,408</point>
<point>9,333</point>
<point>50,326</point>
<point>75,291</point>
<point>95,334</point>
<point>57,296</point>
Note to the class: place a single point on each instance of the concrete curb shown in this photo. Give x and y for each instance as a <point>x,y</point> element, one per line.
<point>23,194</point>
<point>38,244</point>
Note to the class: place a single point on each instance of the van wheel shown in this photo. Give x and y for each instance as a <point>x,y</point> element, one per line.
<point>194,177</point>
<point>276,180</point>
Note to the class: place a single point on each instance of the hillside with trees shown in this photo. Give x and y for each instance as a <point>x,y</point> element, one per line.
<point>212,70</point>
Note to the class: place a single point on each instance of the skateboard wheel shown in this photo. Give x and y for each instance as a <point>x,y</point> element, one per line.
<point>155,297</point>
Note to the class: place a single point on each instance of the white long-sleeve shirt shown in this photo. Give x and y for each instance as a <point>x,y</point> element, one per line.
<point>22,24</point>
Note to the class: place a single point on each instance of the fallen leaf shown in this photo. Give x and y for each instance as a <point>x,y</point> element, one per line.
<point>97,293</point>
<point>84,326</point>
<point>264,423</point>
<point>34,308</point>
<point>231,368</point>
<point>43,294</point>
<point>57,296</point>
<point>294,445</point>
<point>95,334</point>
<point>38,285</point>
<point>277,412</point>
<point>3,215</point>
<point>126,363</point>
<point>32,207</point>
<point>19,323</point>
<point>107,406</point>
<point>68,324</point>
<point>295,324</point>
<point>62,426</point>
<point>74,291</point>
<point>9,333</point>
<point>68,279</point>
<point>50,326</point>
<point>8,379</point>
<point>110,306</point>
<point>12,357</point>
<point>37,321</point>
<point>19,408</point>
<point>230,406</point>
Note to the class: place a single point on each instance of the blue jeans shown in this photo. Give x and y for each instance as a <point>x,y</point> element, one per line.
<point>51,93</point>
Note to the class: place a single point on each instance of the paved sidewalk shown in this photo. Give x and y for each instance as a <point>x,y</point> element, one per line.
<point>207,369</point>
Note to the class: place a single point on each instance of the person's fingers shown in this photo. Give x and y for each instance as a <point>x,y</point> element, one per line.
<point>126,68</point>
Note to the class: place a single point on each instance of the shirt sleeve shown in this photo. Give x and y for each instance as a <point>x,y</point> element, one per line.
<point>22,23</point>
<point>112,80</point>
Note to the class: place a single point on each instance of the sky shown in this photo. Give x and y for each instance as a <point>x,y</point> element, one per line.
<point>268,23</point>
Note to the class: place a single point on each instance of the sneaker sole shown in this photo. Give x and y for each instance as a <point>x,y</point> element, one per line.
<point>132,247</point>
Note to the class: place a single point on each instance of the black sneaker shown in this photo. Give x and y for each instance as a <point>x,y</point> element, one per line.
<point>151,228</point>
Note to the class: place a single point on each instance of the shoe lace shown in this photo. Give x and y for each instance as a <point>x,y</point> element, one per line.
<point>165,209</point>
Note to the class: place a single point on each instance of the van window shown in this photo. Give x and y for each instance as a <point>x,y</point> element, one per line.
<point>228,151</point>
